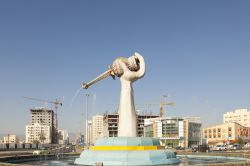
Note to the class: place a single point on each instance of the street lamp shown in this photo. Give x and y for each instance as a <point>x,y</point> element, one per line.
<point>162,104</point>
<point>86,115</point>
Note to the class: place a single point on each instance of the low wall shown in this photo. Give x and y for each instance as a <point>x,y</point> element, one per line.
<point>9,164</point>
<point>244,155</point>
<point>11,160</point>
<point>225,154</point>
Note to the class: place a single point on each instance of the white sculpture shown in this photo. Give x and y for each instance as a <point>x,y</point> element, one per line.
<point>129,70</point>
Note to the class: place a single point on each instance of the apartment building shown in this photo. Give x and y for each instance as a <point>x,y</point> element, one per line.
<point>11,138</point>
<point>226,132</point>
<point>37,133</point>
<point>41,119</point>
<point>97,127</point>
<point>241,116</point>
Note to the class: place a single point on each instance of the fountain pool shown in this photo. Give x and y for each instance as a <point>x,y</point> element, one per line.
<point>185,160</point>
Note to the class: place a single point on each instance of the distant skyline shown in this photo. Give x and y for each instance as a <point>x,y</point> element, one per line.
<point>197,52</point>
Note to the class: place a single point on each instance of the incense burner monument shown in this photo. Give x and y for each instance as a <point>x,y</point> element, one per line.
<point>126,149</point>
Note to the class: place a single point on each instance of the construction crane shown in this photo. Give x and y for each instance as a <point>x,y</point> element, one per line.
<point>162,105</point>
<point>56,104</point>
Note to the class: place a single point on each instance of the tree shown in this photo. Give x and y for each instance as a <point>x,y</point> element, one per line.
<point>36,142</point>
<point>241,141</point>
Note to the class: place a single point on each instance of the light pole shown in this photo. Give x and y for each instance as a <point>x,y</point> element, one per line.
<point>162,103</point>
<point>86,115</point>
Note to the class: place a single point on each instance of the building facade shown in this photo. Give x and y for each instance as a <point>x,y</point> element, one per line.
<point>43,117</point>
<point>88,133</point>
<point>97,127</point>
<point>241,116</point>
<point>63,137</point>
<point>226,132</point>
<point>11,139</point>
<point>174,131</point>
<point>37,133</point>
<point>140,123</point>
<point>110,124</point>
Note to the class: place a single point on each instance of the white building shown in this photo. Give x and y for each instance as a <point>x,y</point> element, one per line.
<point>11,139</point>
<point>88,133</point>
<point>174,131</point>
<point>63,137</point>
<point>97,127</point>
<point>38,133</point>
<point>241,116</point>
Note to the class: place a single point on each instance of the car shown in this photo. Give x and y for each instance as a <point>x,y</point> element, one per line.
<point>179,148</point>
<point>247,146</point>
<point>204,148</point>
<point>236,147</point>
<point>42,151</point>
<point>37,152</point>
<point>219,148</point>
<point>195,149</point>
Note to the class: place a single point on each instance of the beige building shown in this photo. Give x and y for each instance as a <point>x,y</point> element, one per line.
<point>241,116</point>
<point>227,132</point>
<point>97,127</point>
<point>11,139</point>
<point>174,131</point>
<point>45,117</point>
<point>38,133</point>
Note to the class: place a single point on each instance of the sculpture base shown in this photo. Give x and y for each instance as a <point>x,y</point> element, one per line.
<point>127,151</point>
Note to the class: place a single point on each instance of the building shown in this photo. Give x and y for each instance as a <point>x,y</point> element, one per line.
<point>140,123</point>
<point>37,133</point>
<point>88,133</point>
<point>110,124</point>
<point>226,132</point>
<point>241,116</point>
<point>63,137</point>
<point>192,134</point>
<point>97,127</point>
<point>43,117</point>
<point>174,131</point>
<point>11,138</point>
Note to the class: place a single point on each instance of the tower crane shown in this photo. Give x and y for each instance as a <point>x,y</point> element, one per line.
<point>162,105</point>
<point>56,104</point>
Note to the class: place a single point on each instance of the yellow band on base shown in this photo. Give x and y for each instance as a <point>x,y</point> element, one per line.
<point>126,147</point>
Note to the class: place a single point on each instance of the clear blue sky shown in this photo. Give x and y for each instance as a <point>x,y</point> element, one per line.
<point>196,51</point>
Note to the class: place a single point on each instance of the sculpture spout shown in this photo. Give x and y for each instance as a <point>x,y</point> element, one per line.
<point>104,75</point>
<point>131,68</point>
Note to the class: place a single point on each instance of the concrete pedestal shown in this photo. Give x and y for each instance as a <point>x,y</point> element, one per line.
<point>127,151</point>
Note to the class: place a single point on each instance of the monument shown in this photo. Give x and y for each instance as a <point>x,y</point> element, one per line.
<point>126,149</point>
